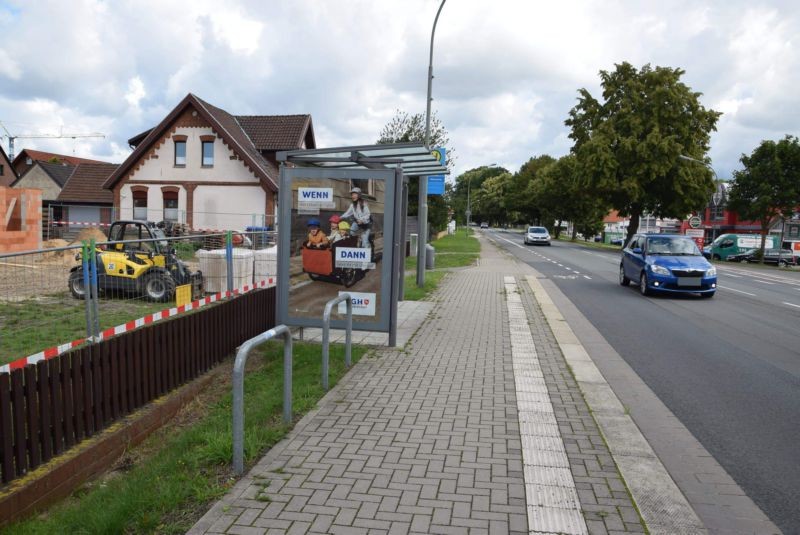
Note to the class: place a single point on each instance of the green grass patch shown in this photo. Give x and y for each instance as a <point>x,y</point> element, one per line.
<point>455,250</point>
<point>175,476</point>
<point>457,243</point>
<point>413,293</point>
<point>32,325</point>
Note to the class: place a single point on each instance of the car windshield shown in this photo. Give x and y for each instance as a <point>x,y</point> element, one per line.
<point>672,246</point>
<point>537,230</point>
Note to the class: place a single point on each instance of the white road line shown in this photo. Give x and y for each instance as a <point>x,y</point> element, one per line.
<point>764,282</point>
<point>791,304</point>
<point>512,243</point>
<point>735,290</point>
<point>587,277</point>
<point>732,275</point>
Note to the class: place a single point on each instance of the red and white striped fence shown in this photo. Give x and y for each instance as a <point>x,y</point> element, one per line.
<point>52,352</point>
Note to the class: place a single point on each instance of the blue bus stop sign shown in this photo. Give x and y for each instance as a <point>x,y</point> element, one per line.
<point>436,182</point>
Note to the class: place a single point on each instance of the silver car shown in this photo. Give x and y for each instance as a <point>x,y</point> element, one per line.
<point>537,235</point>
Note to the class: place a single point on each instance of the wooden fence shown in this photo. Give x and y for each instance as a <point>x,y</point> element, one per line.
<point>48,407</point>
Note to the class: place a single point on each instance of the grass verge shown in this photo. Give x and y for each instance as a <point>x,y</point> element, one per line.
<point>414,293</point>
<point>32,325</point>
<point>452,251</point>
<point>168,482</point>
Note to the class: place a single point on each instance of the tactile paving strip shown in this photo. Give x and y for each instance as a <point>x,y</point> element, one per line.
<point>553,505</point>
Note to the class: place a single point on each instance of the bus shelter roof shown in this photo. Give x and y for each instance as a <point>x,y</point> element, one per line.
<point>414,158</point>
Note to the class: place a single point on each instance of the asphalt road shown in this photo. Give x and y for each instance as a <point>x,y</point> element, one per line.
<point>727,367</point>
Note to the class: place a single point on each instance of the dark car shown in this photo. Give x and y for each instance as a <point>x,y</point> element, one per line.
<point>771,256</point>
<point>667,263</point>
<point>616,241</point>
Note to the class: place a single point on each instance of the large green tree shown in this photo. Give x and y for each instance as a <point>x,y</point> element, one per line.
<point>560,196</point>
<point>489,202</point>
<point>768,187</point>
<point>408,128</point>
<point>523,185</point>
<point>628,142</point>
<point>467,185</point>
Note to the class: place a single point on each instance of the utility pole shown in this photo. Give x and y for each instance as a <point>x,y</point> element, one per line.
<point>422,202</point>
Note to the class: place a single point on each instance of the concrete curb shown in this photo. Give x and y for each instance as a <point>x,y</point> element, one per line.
<point>661,503</point>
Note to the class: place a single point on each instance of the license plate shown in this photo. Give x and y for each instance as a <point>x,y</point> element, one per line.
<point>689,281</point>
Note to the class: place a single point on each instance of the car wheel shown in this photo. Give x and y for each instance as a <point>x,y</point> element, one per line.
<point>623,280</point>
<point>708,295</point>
<point>716,257</point>
<point>783,263</point>
<point>643,289</point>
<point>743,261</point>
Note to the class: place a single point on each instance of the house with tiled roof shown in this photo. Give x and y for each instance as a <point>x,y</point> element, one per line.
<point>207,168</point>
<point>28,157</point>
<point>7,174</point>
<point>83,200</point>
<point>46,176</point>
<point>72,195</point>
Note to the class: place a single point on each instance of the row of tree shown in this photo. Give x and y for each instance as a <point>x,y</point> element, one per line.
<point>639,148</point>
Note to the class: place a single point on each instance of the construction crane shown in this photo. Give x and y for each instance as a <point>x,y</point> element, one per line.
<point>60,135</point>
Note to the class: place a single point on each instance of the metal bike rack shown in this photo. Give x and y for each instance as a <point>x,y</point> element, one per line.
<point>238,388</point>
<point>326,334</point>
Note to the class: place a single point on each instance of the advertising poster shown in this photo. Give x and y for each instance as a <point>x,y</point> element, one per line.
<point>337,245</point>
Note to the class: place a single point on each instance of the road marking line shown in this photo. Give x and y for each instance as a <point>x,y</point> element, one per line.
<point>735,290</point>
<point>732,275</point>
<point>764,282</point>
<point>791,304</point>
<point>587,277</point>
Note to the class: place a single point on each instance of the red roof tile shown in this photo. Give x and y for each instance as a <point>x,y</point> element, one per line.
<point>41,156</point>
<point>85,184</point>
<point>275,132</point>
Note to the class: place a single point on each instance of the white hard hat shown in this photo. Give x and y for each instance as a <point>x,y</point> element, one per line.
<point>356,190</point>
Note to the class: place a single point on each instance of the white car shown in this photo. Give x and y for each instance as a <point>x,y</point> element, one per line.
<point>537,235</point>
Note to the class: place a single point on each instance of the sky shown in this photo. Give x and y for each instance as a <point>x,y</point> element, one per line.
<point>506,72</point>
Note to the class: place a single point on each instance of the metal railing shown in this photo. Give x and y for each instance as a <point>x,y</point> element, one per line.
<point>326,334</point>
<point>238,388</point>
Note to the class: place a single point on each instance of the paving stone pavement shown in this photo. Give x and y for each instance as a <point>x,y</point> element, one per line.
<point>427,439</point>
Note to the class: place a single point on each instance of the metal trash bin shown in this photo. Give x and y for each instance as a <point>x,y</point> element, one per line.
<point>430,256</point>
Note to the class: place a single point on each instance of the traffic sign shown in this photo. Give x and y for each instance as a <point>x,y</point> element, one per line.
<point>695,221</point>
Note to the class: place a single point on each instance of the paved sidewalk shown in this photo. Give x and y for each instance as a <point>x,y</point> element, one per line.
<point>475,426</point>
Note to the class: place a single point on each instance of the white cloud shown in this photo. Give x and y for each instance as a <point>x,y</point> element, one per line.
<point>507,72</point>
<point>135,92</point>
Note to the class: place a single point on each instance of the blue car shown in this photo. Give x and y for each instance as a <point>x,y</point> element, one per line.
<point>667,263</point>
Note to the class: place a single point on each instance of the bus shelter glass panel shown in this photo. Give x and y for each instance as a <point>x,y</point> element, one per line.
<point>340,240</point>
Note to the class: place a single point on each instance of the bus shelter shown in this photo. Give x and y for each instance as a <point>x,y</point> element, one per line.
<point>319,257</point>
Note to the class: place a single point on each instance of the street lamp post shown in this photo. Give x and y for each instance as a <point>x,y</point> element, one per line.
<point>422,203</point>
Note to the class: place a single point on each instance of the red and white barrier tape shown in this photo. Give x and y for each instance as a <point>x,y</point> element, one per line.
<point>131,325</point>
<point>85,223</point>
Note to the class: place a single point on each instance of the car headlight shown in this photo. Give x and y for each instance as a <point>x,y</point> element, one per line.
<point>711,272</point>
<point>659,270</point>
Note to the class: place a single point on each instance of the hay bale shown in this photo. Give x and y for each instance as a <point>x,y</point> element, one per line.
<point>90,233</point>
